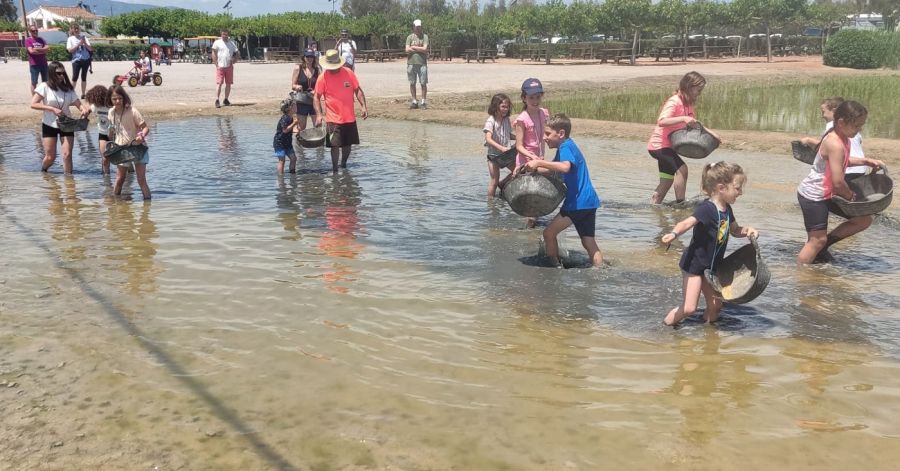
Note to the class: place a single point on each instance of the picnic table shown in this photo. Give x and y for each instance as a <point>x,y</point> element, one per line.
<point>281,54</point>
<point>678,51</point>
<point>535,52</point>
<point>614,54</point>
<point>481,55</point>
<point>440,54</point>
<point>380,55</point>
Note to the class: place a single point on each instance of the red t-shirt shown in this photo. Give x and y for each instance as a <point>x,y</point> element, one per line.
<point>339,90</point>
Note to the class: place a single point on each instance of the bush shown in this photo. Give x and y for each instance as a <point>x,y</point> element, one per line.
<point>862,49</point>
<point>102,52</point>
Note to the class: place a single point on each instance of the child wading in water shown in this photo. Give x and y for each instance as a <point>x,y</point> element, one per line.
<point>283,142</point>
<point>677,112</point>
<point>856,150</point>
<point>581,203</point>
<point>713,221</point>
<point>497,134</point>
<point>127,126</point>
<point>529,127</point>
<point>99,98</point>
<point>826,179</point>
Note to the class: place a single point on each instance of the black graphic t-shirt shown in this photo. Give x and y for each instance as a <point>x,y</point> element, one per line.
<point>709,240</point>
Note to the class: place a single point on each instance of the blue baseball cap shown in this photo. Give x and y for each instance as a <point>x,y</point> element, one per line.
<point>532,86</point>
<point>309,53</point>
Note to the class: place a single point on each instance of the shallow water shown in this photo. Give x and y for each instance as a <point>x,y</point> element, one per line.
<point>388,316</point>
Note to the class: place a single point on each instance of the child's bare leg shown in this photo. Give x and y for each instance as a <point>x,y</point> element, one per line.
<point>494,172</point>
<point>659,194</point>
<point>551,247</point>
<point>590,244</point>
<point>121,173</point>
<point>280,166</point>
<point>104,162</point>
<point>680,183</point>
<point>848,228</point>
<point>140,171</point>
<point>67,143</point>
<point>815,242</point>
<point>49,153</point>
<point>690,286</point>
<point>713,302</point>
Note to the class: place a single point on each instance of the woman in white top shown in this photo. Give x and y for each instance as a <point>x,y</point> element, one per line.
<point>54,97</point>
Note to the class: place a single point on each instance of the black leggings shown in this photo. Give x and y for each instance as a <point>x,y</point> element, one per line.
<point>668,162</point>
<point>80,66</point>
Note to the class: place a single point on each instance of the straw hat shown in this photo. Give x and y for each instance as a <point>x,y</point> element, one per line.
<point>331,60</point>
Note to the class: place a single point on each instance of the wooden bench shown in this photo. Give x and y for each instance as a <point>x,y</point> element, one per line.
<point>614,54</point>
<point>678,51</point>
<point>480,55</point>
<point>535,52</point>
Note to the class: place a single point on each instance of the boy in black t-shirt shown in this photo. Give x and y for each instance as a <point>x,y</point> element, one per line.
<point>283,141</point>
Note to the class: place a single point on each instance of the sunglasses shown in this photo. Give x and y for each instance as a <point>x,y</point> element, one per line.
<point>34,31</point>
<point>60,73</point>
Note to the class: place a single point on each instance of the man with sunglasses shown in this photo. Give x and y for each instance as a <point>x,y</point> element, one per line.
<point>37,56</point>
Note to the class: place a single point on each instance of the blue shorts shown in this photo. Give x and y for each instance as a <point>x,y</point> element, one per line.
<point>282,153</point>
<point>584,220</point>
<point>38,70</point>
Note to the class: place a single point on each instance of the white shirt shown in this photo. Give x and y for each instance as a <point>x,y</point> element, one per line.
<point>225,51</point>
<point>57,99</point>
<point>75,41</point>
<point>145,63</point>
<point>856,150</point>
<point>346,50</point>
<point>102,114</point>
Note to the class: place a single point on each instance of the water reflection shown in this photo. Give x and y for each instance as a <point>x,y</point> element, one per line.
<point>342,229</point>
<point>288,208</point>
<point>65,207</point>
<point>227,143</point>
<point>135,238</point>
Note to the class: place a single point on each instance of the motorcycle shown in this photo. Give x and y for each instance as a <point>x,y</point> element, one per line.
<point>133,77</point>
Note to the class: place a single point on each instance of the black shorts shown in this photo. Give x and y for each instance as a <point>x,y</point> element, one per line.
<point>50,131</point>
<point>668,162</point>
<point>340,135</point>
<point>305,110</point>
<point>815,213</point>
<point>584,220</point>
<point>103,137</point>
<point>82,67</point>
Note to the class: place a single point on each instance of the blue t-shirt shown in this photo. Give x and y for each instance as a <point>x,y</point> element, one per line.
<point>580,192</point>
<point>709,240</point>
<point>283,140</point>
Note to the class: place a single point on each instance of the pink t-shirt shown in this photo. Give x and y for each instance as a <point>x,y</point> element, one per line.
<point>673,107</point>
<point>533,135</point>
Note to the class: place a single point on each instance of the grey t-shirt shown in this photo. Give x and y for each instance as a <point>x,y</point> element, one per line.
<point>417,57</point>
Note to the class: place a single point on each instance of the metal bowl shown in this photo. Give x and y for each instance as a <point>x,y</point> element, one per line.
<point>312,137</point>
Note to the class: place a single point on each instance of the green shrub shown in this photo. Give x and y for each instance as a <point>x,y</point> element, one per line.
<point>102,52</point>
<point>861,49</point>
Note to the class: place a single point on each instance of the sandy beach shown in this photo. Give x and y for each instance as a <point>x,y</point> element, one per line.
<point>189,90</point>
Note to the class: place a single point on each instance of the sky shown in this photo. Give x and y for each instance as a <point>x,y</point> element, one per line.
<point>246,7</point>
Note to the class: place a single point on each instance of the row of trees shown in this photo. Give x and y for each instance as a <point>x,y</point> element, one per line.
<point>464,24</point>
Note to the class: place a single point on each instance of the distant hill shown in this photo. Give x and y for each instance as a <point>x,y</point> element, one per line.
<point>99,7</point>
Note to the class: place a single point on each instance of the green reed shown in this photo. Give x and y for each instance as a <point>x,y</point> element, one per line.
<point>771,106</point>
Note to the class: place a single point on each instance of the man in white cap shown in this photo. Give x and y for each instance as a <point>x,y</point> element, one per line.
<point>417,64</point>
<point>338,86</point>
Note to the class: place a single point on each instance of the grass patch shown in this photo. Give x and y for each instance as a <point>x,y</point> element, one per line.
<point>791,107</point>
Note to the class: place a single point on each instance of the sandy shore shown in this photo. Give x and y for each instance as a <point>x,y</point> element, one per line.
<point>189,90</point>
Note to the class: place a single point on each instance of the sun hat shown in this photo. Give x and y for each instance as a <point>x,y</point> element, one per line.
<point>331,60</point>
<point>345,30</point>
<point>532,86</point>
<point>417,23</point>
<point>309,53</point>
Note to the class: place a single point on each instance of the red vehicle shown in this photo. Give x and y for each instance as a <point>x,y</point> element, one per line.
<point>133,77</point>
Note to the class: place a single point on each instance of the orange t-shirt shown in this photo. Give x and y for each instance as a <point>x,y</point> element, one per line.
<point>339,90</point>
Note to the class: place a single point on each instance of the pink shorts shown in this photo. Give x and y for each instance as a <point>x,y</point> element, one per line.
<point>225,75</point>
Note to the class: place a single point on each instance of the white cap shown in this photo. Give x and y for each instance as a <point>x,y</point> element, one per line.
<point>417,23</point>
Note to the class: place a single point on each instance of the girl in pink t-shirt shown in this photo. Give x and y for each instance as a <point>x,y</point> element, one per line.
<point>529,127</point>
<point>677,112</point>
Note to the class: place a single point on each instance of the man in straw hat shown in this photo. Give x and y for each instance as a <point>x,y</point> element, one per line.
<point>417,63</point>
<point>337,86</point>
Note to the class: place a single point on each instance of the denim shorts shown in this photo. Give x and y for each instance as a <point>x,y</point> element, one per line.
<point>280,154</point>
<point>38,70</point>
<point>419,71</point>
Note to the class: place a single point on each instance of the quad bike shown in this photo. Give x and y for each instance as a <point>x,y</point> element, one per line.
<point>133,77</point>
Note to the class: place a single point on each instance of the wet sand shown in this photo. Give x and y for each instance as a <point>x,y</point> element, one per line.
<point>189,90</point>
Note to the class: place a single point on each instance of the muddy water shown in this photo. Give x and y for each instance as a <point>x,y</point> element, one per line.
<point>386,317</point>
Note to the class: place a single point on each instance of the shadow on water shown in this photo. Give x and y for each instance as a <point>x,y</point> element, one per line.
<point>246,433</point>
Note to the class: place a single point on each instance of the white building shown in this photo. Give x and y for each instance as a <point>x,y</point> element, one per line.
<point>46,17</point>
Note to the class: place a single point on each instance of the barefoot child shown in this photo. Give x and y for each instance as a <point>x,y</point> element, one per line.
<point>283,142</point>
<point>827,107</point>
<point>497,133</point>
<point>713,222</point>
<point>127,126</point>
<point>677,112</point>
<point>529,127</point>
<point>581,203</point>
<point>99,98</point>
<point>826,179</point>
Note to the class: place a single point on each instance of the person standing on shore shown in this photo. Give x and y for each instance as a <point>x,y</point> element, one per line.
<point>347,47</point>
<point>80,49</point>
<point>224,54</point>
<point>338,86</point>
<point>37,56</point>
<point>417,64</point>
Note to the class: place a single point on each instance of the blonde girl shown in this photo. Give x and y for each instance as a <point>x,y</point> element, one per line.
<point>127,126</point>
<point>677,112</point>
<point>713,222</point>
<point>497,135</point>
<point>826,179</point>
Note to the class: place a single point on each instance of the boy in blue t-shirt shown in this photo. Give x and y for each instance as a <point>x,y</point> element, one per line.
<point>581,203</point>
